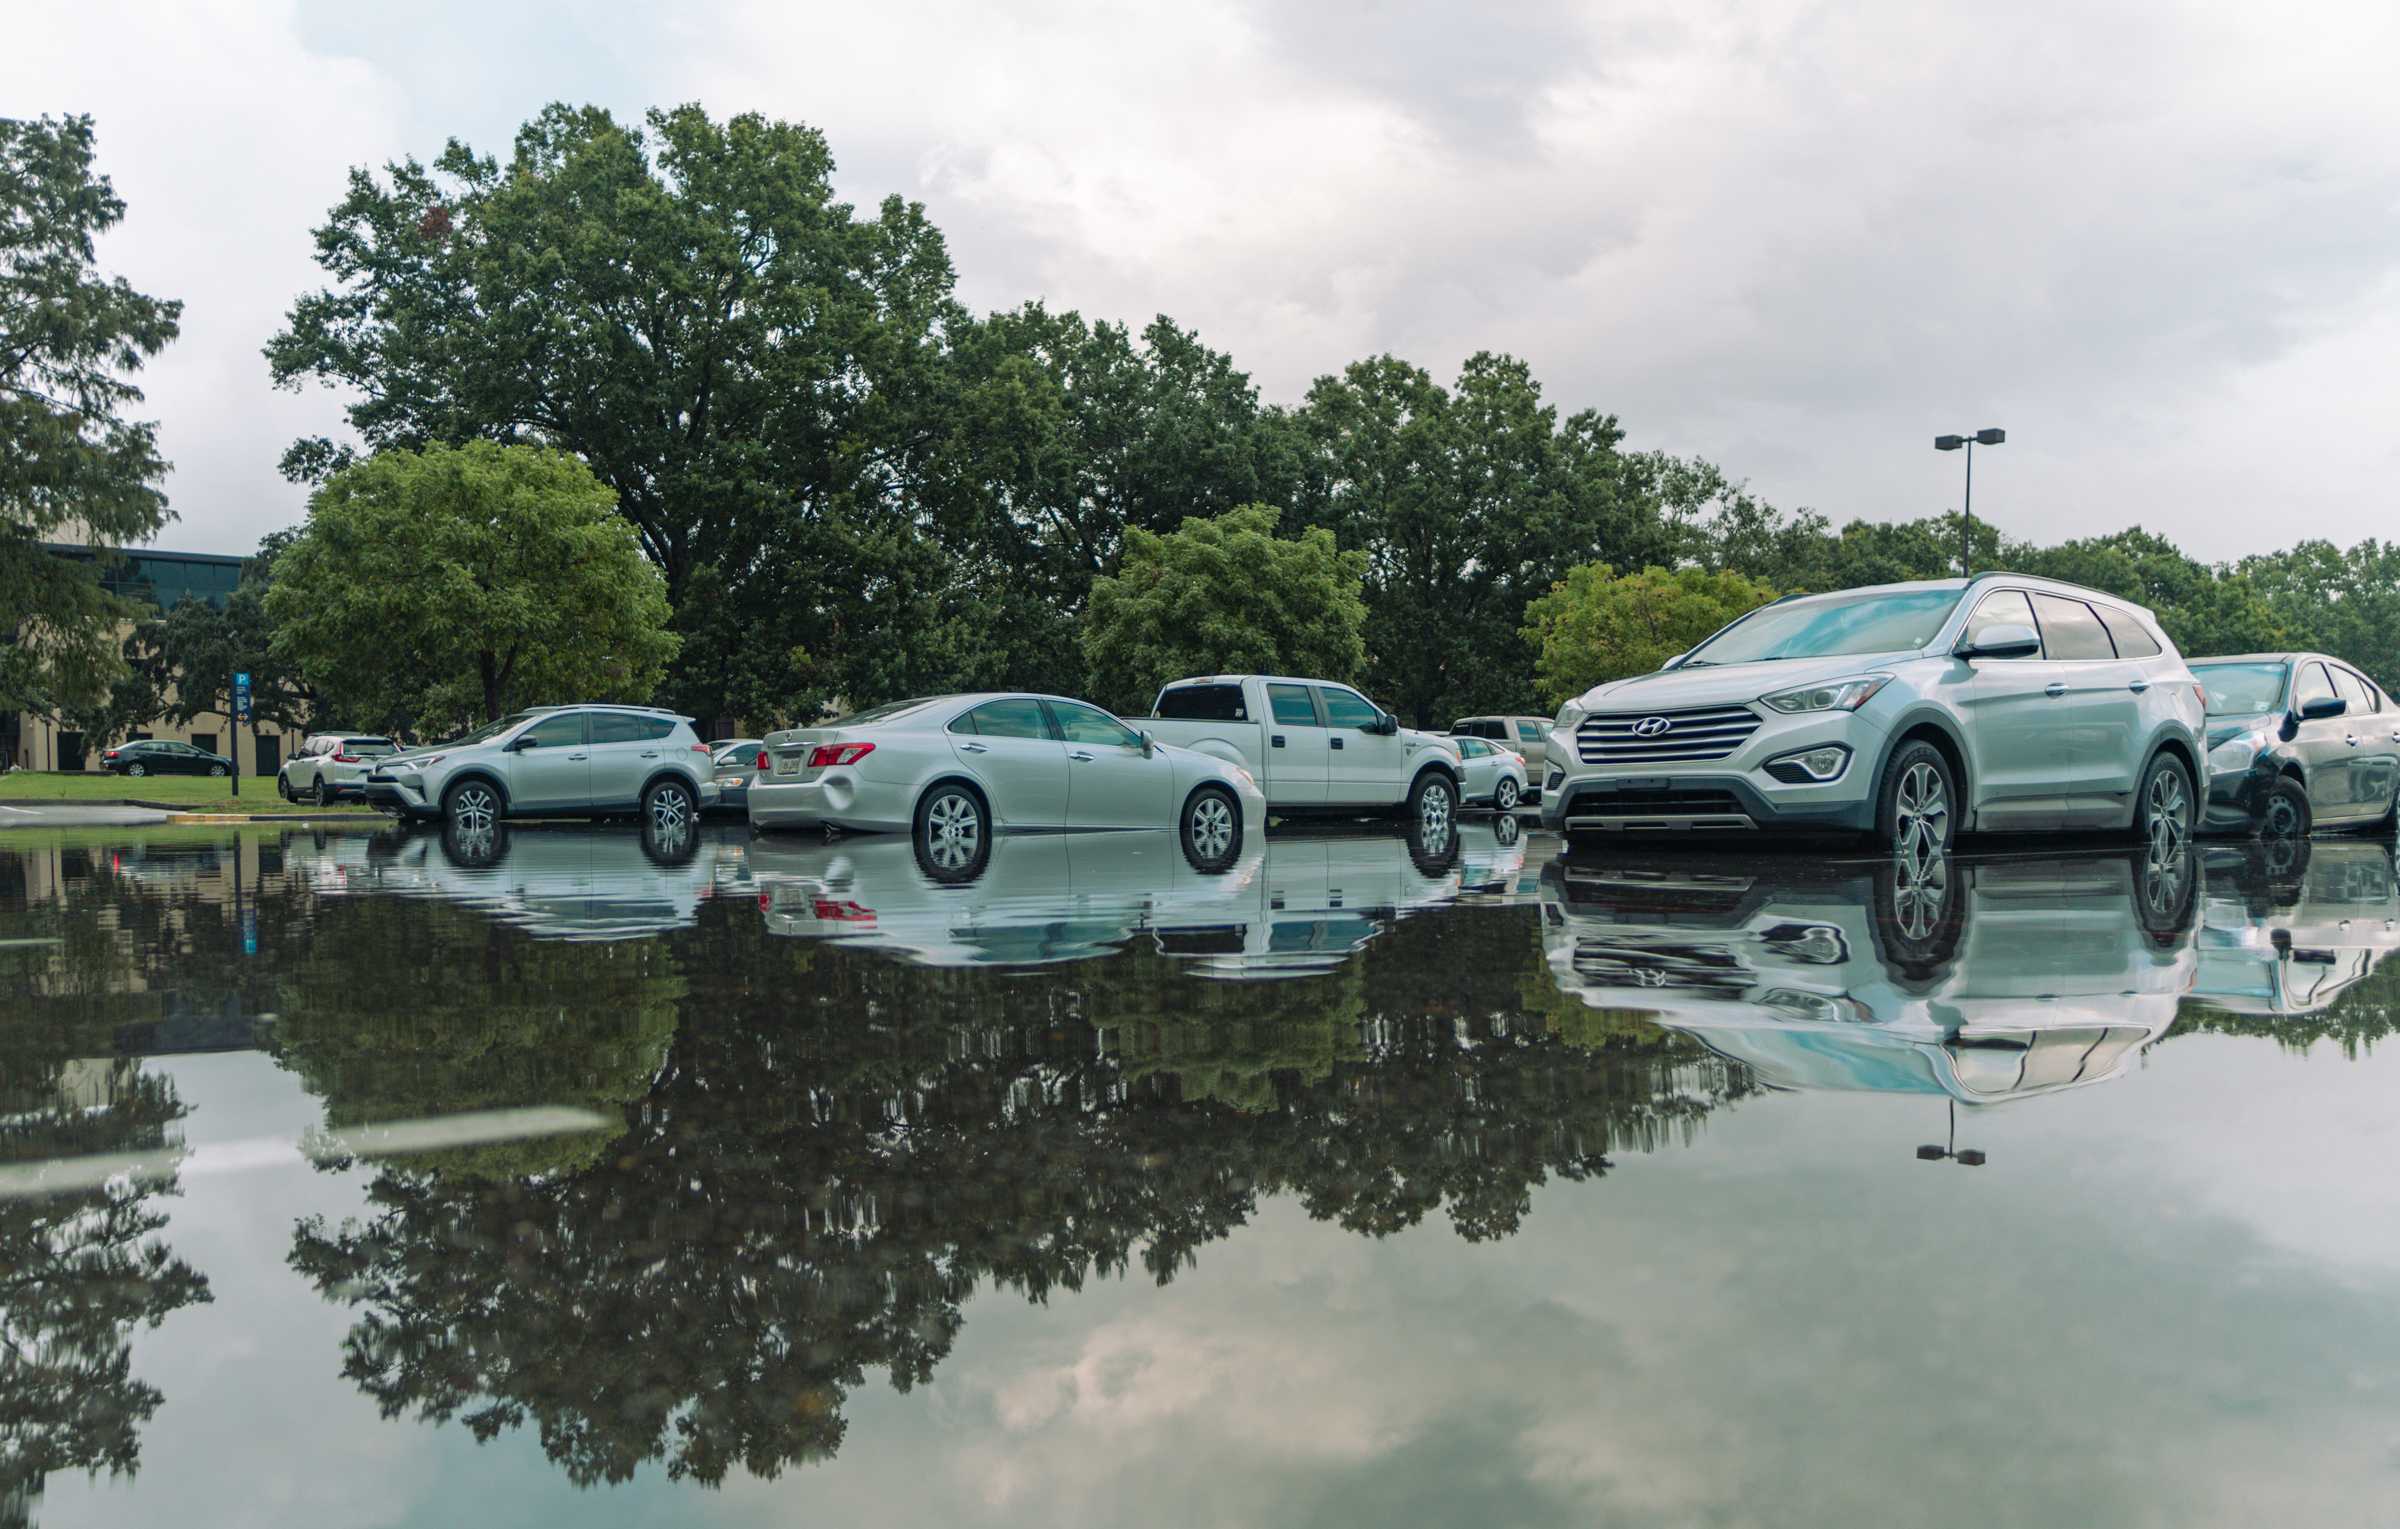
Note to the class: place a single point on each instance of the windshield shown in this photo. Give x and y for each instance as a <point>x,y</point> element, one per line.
<point>488,731</point>
<point>2242,690</point>
<point>883,713</point>
<point>1882,623</point>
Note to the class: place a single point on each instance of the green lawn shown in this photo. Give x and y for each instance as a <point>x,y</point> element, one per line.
<point>196,793</point>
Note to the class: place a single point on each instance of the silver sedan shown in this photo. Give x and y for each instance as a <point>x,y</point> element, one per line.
<point>1490,775</point>
<point>954,770</point>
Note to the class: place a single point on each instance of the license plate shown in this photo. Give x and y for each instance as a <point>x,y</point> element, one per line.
<point>787,764</point>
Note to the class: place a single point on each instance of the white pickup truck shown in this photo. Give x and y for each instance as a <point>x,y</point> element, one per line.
<point>1317,749</point>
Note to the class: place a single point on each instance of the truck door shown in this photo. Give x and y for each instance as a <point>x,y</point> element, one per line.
<point>1364,767</point>
<point>1296,756</point>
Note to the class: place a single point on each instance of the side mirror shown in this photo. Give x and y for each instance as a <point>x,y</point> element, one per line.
<point>1384,726</point>
<point>1149,744</point>
<point>2006,640</point>
<point>520,743</point>
<point>2320,707</point>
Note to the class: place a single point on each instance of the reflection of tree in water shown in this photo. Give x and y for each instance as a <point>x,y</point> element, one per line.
<point>840,1148</point>
<point>78,1272</point>
<point>399,1009</point>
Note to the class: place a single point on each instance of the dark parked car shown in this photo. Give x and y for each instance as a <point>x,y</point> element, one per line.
<point>2298,741</point>
<point>157,756</point>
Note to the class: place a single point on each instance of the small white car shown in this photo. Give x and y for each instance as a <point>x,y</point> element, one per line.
<point>954,770</point>
<point>1490,775</point>
<point>332,767</point>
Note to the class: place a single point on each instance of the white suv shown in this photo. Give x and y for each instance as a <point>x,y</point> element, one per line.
<point>1908,712</point>
<point>555,761</point>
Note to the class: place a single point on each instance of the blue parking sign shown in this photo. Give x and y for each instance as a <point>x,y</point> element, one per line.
<point>241,696</point>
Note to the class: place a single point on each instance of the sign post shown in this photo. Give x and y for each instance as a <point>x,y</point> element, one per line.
<point>241,715</point>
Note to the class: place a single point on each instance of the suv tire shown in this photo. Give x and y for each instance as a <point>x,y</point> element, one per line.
<point>2164,807</point>
<point>669,808</point>
<point>472,806</point>
<point>1916,809</point>
<point>324,797</point>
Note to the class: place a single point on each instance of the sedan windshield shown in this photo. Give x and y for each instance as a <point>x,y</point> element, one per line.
<point>1877,623</point>
<point>2242,690</point>
<point>884,713</point>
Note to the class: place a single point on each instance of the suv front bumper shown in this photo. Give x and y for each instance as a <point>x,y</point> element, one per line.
<point>403,794</point>
<point>1730,795</point>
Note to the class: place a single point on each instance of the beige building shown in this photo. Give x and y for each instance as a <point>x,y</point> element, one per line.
<point>160,579</point>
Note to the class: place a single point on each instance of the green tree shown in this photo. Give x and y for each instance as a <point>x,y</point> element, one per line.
<point>2203,609</point>
<point>1470,503</point>
<point>1723,527</point>
<point>1597,625</point>
<point>687,306</point>
<point>1224,595</point>
<point>465,581</point>
<point>72,467</point>
<point>2331,600</point>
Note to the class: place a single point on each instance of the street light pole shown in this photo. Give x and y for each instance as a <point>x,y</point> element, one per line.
<point>1966,518</point>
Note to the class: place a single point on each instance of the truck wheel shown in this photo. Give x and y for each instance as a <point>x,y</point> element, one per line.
<point>1212,828</point>
<point>1432,800</point>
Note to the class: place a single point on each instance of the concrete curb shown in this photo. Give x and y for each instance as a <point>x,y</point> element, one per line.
<point>180,815</point>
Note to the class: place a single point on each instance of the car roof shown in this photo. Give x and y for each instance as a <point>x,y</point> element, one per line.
<point>648,711</point>
<point>2033,581</point>
<point>2255,658</point>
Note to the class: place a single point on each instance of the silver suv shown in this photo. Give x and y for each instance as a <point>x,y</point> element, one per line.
<point>1907,712</point>
<point>554,761</point>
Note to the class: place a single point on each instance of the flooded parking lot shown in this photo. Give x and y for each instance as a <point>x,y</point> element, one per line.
<point>563,1173</point>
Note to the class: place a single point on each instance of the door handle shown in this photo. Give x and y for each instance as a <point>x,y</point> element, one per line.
<point>2138,686</point>
<point>649,753</point>
<point>1080,757</point>
<point>1276,741</point>
<point>2055,688</point>
<point>1337,743</point>
<point>2351,739</point>
<point>579,756</point>
<point>974,748</point>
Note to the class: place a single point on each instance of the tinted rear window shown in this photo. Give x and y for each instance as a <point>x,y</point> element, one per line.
<point>2070,630</point>
<point>1204,703</point>
<point>628,727</point>
<point>2133,639</point>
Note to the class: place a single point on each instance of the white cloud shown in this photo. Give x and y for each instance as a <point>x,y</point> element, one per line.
<point>2157,245</point>
<point>228,143</point>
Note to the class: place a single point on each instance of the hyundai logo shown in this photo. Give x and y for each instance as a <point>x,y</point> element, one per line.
<point>1651,727</point>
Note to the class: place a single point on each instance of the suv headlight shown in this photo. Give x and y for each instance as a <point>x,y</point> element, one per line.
<point>2236,754</point>
<point>1829,695</point>
<point>1570,717</point>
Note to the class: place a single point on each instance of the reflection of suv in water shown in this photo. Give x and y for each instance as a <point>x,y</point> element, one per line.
<point>1909,712</point>
<point>554,761</point>
<point>1982,980</point>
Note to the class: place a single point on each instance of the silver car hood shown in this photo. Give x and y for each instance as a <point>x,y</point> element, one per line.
<point>1732,683</point>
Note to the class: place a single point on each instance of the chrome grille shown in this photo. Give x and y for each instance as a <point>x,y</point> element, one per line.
<point>1693,734</point>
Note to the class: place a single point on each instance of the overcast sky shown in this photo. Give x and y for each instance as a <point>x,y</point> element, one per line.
<point>2159,245</point>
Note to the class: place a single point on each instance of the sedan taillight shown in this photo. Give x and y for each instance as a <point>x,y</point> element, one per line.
<point>762,761</point>
<point>826,755</point>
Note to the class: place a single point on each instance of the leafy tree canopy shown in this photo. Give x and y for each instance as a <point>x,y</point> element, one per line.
<point>1224,595</point>
<point>686,306</point>
<point>72,467</point>
<point>459,582</point>
<point>1469,503</point>
<point>1598,625</point>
